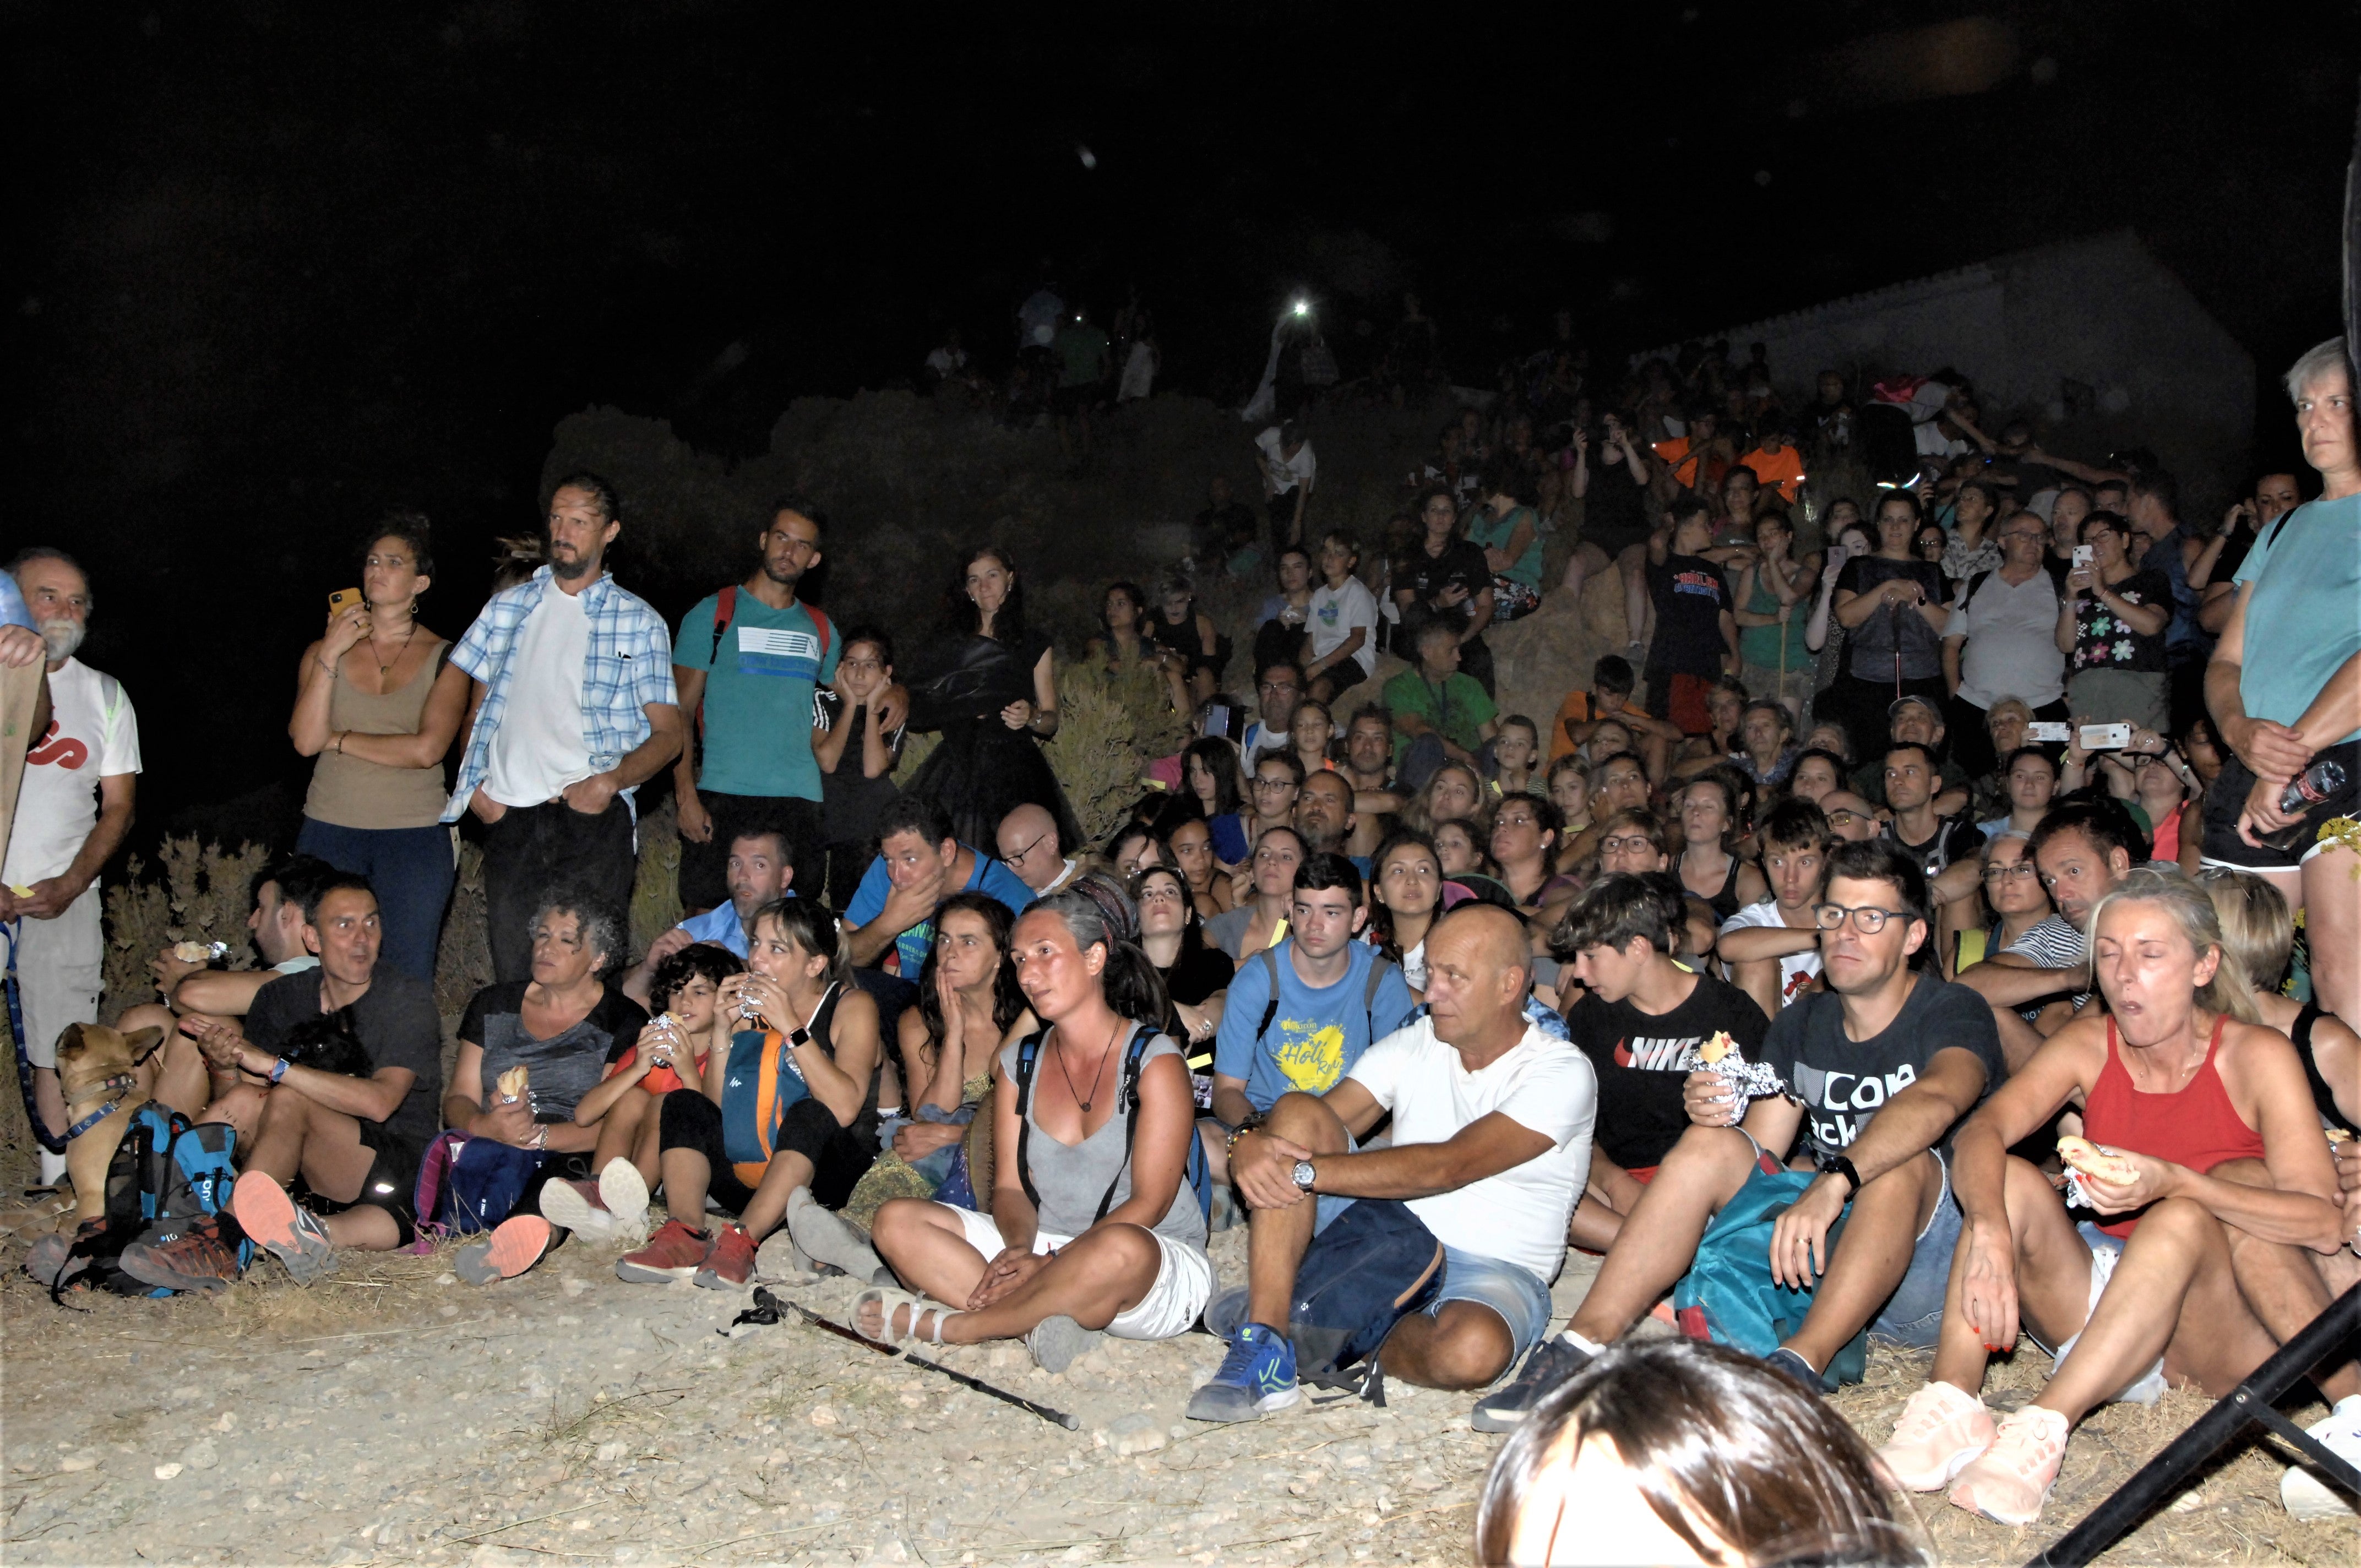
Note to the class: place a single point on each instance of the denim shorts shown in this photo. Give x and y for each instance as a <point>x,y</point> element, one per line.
<point>1511,1290</point>
<point>1912,1315</point>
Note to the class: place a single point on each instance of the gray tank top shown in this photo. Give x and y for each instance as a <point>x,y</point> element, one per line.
<point>1072,1178</point>
<point>348,792</point>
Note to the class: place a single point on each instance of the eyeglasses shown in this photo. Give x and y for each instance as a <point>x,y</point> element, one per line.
<point>1013,859</point>
<point>1277,686</point>
<point>1276,784</point>
<point>1627,844</point>
<point>2022,870</point>
<point>1841,816</point>
<point>1867,920</point>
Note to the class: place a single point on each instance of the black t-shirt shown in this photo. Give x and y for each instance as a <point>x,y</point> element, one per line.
<point>1615,507</point>
<point>1869,645</point>
<point>561,1069</point>
<point>2102,641</point>
<point>1842,1081</point>
<point>1196,975</point>
<point>1955,839</point>
<point>850,800</point>
<point>1690,598</point>
<point>1461,564</point>
<point>395,1022</point>
<point>1640,1117</point>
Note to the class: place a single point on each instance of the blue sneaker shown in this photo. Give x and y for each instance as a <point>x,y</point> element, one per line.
<point>1258,1375</point>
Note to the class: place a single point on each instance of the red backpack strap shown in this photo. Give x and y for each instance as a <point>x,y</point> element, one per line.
<point>725,610</point>
<point>826,634</point>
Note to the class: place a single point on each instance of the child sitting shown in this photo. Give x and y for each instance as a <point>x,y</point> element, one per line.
<point>686,1026</point>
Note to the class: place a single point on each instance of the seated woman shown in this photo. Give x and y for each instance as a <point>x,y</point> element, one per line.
<point>1454,792</point>
<point>1123,644</point>
<point>1191,842</point>
<point>2214,1179</point>
<point>558,1028</point>
<point>1196,976</point>
<point>1132,848</point>
<point>1211,772</point>
<point>968,1007</point>
<point>1094,1223</point>
<point>1569,791</point>
<point>1261,921</point>
<point>670,1053</point>
<point>1188,649</point>
<point>1525,842</point>
<point>785,1121</point>
<point>1713,821</point>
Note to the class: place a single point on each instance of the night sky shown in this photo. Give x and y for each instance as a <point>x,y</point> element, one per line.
<point>275,265</point>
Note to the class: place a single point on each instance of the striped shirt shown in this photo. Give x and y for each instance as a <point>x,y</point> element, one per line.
<point>628,666</point>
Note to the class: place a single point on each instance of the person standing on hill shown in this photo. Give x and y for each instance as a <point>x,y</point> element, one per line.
<point>573,709</point>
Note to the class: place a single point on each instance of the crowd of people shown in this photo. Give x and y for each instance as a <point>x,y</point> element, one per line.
<point>1942,920</point>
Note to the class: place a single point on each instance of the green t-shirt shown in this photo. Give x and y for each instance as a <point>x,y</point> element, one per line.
<point>1759,646</point>
<point>1081,351</point>
<point>1458,710</point>
<point>758,694</point>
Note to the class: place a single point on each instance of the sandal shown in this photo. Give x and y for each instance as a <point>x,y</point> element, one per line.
<point>888,1300</point>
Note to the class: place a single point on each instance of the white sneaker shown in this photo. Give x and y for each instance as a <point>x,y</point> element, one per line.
<point>625,1195</point>
<point>575,1206</point>
<point>2306,1496</point>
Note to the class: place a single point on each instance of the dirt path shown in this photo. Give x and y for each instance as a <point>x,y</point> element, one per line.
<point>393,1414</point>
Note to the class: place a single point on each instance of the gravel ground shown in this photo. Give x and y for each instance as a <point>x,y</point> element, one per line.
<point>390,1413</point>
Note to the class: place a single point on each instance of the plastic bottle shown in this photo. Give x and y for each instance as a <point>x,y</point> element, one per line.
<point>2315,784</point>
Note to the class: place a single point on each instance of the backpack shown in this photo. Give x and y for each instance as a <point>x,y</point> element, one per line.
<point>1374,1265</point>
<point>1729,1296</point>
<point>725,610</point>
<point>1197,1173</point>
<point>165,1173</point>
<point>763,1067</point>
<point>1379,968</point>
<point>467,1185</point>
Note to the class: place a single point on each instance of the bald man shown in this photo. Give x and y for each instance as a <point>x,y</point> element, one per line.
<point>1850,816</point>
<point>1490,1148</point>
<point>1027,841</point>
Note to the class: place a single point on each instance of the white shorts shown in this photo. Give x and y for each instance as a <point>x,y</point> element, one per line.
<point>59,965</point>
<point>1184,1280</point>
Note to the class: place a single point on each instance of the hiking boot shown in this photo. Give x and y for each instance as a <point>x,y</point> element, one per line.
<point>1553,1361</point>
<point>2011,1480</point>
<point>778,1261</point>
<point>293,1235</point>
<point>1941,1432</point>
<point>2303,1494</point>
<point>675,1251</point>
<point>625,1193</point>
<point>194,1256</point>
<point>47,1257</point>
<point>577,1206</point>
<point>515,1244</point>
<point>1256,1375</point>
<point>828,1238</point>
<point>730,1262</point>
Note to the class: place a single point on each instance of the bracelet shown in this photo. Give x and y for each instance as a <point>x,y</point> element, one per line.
<point>540,1136</point>
<point>279,1069</point>
<point>340,741</point>
<point>327,666</point>
<point>1250,1124</point>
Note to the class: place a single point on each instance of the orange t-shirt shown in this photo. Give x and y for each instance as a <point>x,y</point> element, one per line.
<point>1782,470</point>
<point>660,1080</point>
<point>1575,709</point>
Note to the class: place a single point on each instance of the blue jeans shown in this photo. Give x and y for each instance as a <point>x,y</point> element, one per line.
<point>1912,1315</point>
<point>412,871</point>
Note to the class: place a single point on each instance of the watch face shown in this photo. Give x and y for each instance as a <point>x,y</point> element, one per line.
<point>1303,1173</point>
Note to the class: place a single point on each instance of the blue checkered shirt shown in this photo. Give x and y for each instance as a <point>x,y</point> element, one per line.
<point>628,666</point>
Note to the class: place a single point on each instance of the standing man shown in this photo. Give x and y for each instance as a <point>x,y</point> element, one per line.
<point>748,662</point>
<point>73,811</point>
<point>574,708</point>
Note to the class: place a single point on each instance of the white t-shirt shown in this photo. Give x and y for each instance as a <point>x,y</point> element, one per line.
<point>1261,738</point>
<point>1285,473</point>
<point>947,361</point>
<point>94,735</point>
<point>1795,970</point>
<point>1547,1085</point>
<point>539,749</point>
<point>2012,642</point>
<point>1332,614</point>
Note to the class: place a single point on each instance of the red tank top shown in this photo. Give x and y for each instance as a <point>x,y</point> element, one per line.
<point>2196,1126</point>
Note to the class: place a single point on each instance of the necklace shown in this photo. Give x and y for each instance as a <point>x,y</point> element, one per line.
<point>383,665</point>
<point>1096,1072</point>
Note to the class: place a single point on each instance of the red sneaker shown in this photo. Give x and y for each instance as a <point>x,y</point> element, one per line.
<point>732,1262</point>
<point>673,1253</point>
<point>515,1244</point>
<point>191,1256</point>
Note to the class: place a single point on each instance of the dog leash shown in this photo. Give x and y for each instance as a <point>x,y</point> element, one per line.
<point>14,930</point>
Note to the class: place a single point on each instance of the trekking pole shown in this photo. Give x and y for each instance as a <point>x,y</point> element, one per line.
<point>1055,1417</point>
<point>2250,1401</point>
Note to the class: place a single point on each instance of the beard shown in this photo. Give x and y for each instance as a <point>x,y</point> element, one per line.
<point>570,571</point>
<point>63,637</point>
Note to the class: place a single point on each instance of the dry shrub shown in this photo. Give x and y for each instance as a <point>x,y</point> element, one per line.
<point>1109,727</point>
<point>655,887</point>
<point>201,895</point>
<point>463,959</point>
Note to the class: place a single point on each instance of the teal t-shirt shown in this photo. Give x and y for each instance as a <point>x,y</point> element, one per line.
<point>758,694</point>
<point>1494,534</point>
<point>2304,619</point>
<point>1759,646</point>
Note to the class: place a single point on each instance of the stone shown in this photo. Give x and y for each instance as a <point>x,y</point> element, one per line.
<point>200,1455</point>
<point>612,1450</point>
<point>166,1471</point>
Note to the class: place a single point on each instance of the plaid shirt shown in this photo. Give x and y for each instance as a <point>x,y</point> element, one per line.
<point>628,666</point>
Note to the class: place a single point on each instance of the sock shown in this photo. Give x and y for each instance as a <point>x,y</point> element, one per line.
<point>2348,1408</point>
<point>53,1169</point>
<point>1587,1346</point>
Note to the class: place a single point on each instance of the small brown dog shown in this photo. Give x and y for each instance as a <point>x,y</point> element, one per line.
<point>97,1064</point>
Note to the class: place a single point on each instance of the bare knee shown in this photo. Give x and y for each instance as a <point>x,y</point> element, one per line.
<point>1117,1251</point>
<point>1467,1345</point>
<point>1307,1119</point>
<point>900,1219</point>
<point>1709,1149</point>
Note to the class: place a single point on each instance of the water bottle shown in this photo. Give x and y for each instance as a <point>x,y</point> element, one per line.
<point>2317,783</point>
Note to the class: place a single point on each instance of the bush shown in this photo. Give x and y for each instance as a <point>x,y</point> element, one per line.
<point>1109,728</point>
<point>200,896</point>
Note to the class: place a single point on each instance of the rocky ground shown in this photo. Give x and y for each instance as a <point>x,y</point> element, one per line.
<point>390,1413</point>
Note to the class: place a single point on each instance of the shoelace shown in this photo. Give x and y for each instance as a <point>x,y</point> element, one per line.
<point>2022,1447</point>
<point>1237,1364</point>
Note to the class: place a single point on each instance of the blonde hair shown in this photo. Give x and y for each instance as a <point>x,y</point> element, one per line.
<point>2257,927</point>
<point>2229,991</point>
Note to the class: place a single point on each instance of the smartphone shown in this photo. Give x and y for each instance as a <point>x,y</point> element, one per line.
<point>343,599</point>
<point>2105,737</point>
<point>2039,730</point>
<point>2084,554</point>
<point>1225,721</point>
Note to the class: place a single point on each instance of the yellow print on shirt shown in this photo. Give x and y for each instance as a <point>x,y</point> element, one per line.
<point>1310,1054</point>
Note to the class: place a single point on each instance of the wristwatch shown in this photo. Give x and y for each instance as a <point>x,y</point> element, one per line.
<point>1303,1175</point>
<point>1841,1165</point>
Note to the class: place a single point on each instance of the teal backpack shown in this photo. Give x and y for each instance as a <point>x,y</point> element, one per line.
<point>1729,1296</point>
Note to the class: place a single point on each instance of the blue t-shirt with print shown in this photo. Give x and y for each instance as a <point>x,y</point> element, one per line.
<point>758,694</point>
<point>1318,1033</point>
<point>909,950</point>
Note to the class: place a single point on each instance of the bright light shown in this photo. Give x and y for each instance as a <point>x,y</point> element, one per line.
<point>1303,307</point>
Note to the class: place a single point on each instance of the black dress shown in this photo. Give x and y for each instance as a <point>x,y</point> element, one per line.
<point>982,770</point>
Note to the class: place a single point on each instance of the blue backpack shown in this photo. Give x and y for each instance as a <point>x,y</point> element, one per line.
<point>164,1173</point>
<point>1374,1265</point>
<point>1197,1173</point>
<point>1729,1296</point>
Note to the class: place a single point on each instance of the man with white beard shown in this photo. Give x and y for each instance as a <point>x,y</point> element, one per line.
<point>72,812</point>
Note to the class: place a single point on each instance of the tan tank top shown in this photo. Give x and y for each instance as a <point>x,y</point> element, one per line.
<point>350,793</point>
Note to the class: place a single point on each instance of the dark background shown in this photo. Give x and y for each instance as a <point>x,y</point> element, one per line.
<point>273,265</point>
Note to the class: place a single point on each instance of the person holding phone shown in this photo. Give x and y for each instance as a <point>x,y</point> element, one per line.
<point>1891,603</point>
<point>2110,623</point>
<point>378,704</point>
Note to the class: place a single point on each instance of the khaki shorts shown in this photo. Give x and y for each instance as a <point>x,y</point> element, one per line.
<point>1184,1278</point>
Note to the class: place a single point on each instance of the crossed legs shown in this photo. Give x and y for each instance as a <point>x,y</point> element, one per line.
<point>1093,1279</point>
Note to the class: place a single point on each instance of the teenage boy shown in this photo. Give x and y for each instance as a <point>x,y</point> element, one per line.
<point>1439,714</point>
<point>1773,948</point>
<point>1639,1014</point>
<point>1342,622</point>
<point>1694,635</point>
<point>1875,1073</point>
<point>1946,847</point>
<point>1610,699</point>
